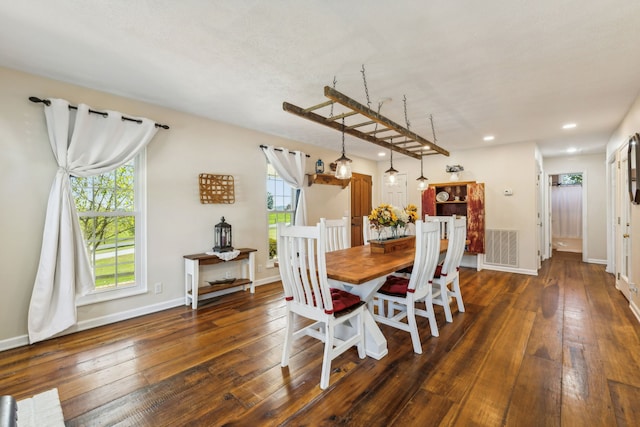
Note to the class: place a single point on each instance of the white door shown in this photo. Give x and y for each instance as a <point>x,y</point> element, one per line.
<point>548,234</point>
<point>623,227</point>
<point>396,195</point>
<point>539,222</point>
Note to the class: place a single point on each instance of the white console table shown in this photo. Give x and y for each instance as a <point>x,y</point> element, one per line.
<point>192,265</point>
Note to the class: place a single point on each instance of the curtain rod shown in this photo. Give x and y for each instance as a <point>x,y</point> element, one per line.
<point>102,113</point>
<point>280,149</point>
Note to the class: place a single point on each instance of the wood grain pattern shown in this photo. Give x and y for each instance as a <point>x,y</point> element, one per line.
<point>475,218</point>
<point>361,189</point>
<point>359,264</point>
<point>558,349</point>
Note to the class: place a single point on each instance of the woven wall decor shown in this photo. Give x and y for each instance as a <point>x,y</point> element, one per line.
<point>216,188</point>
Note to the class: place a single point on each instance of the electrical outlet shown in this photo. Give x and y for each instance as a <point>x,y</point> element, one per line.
<point>158,288</point>
<point>227,275</point>
<point>259,268</point>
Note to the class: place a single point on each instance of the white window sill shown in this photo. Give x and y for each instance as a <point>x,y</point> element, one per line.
<point>97,297</point>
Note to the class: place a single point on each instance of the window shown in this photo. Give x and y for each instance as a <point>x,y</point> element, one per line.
<point>110,212</point>
<point>570,179</point>
<point>280,206</point>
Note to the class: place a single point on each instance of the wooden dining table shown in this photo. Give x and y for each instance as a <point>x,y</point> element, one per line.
<point>362,272</point>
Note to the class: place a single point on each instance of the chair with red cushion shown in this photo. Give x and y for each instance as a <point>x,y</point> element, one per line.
<point>337,236</point>
<point>401,294</point>
<point>446,281</point>
<point>301,259</point>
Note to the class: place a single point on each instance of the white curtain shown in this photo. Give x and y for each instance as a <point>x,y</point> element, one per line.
<point>290,165</point>
<point>566,210</point>
<point>83,145</point>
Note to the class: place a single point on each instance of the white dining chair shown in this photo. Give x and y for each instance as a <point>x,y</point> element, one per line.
<point>446,281</point>
<point>337,233</point>
<point>445,222</point>
<point>402,294</point>
<point>302,264</point>
<point>366,230</point>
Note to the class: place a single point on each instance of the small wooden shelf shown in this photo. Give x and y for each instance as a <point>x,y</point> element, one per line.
<point>203,290</point>
<point>327,179</point>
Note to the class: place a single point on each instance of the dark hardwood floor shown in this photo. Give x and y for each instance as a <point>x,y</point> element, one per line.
<point>561,348</point>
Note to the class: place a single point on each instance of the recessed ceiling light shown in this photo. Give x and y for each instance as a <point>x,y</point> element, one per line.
<point>382,154</point>
<point>569,126</point>
<point>489,138</point>
<point>572,150</point>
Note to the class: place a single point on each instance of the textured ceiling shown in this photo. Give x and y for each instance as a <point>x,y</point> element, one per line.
<point>511,68</point>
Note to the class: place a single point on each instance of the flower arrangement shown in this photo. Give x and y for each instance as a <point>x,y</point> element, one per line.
<point>403,217</point>
<point>386,215</point>
<point>412,212</point>
<point>383,216</point>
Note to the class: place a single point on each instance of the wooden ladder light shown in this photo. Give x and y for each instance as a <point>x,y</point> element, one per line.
<point>413,145</point>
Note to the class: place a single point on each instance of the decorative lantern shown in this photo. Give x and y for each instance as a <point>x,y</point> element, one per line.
<point>222,236</point>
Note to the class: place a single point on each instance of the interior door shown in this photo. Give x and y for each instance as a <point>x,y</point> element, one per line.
<point>361,188</point>
<point>623,227</point>
<point>396,195</point>
<point>539,223</point>
<point>549,229</point>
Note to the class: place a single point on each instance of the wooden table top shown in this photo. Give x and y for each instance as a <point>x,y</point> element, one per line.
<point>208,258</point>
<point>358,265</point>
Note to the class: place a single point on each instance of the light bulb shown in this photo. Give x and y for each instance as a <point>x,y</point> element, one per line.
<point>343,169</point>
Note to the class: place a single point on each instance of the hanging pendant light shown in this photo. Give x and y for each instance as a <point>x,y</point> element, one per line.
<point>422,181</point>
<point>390,174</point>
<point>343,164</point>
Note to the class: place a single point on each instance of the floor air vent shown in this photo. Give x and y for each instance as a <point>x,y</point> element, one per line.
<point>502,248</point>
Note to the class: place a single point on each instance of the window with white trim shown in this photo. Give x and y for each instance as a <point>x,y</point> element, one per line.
<point>110,208</point>
<point>280,207</point>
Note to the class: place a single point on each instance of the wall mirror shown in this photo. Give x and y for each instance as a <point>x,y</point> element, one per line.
<point>633,160</point>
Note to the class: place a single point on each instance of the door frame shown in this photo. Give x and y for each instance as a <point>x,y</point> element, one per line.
<point>548,211</point>
<point>622,211</point>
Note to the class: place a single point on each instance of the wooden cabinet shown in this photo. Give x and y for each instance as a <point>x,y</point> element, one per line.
<point>459,198</point>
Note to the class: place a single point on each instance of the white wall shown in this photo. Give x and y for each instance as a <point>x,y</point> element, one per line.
<point>505,166</point>
<point>595,186</point>
<point>177,223</point>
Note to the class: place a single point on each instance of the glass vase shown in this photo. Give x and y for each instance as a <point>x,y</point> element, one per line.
<point>394,232</point>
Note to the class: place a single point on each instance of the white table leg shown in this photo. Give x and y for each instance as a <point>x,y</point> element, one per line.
<point>191,269</point>
<point>375,342</point>
<point>252,271</point>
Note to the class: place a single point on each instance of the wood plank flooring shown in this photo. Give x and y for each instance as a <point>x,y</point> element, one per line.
<point>561,348</point>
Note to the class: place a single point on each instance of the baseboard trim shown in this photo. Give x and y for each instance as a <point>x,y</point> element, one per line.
<point>510,269</point>
<point>596,261</point>
<point>268,280</point>
<point>635,310</point>
<point>83,325</point>
<point>14,342</point>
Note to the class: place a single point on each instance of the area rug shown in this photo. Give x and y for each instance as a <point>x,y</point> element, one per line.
<point>41,410</point>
